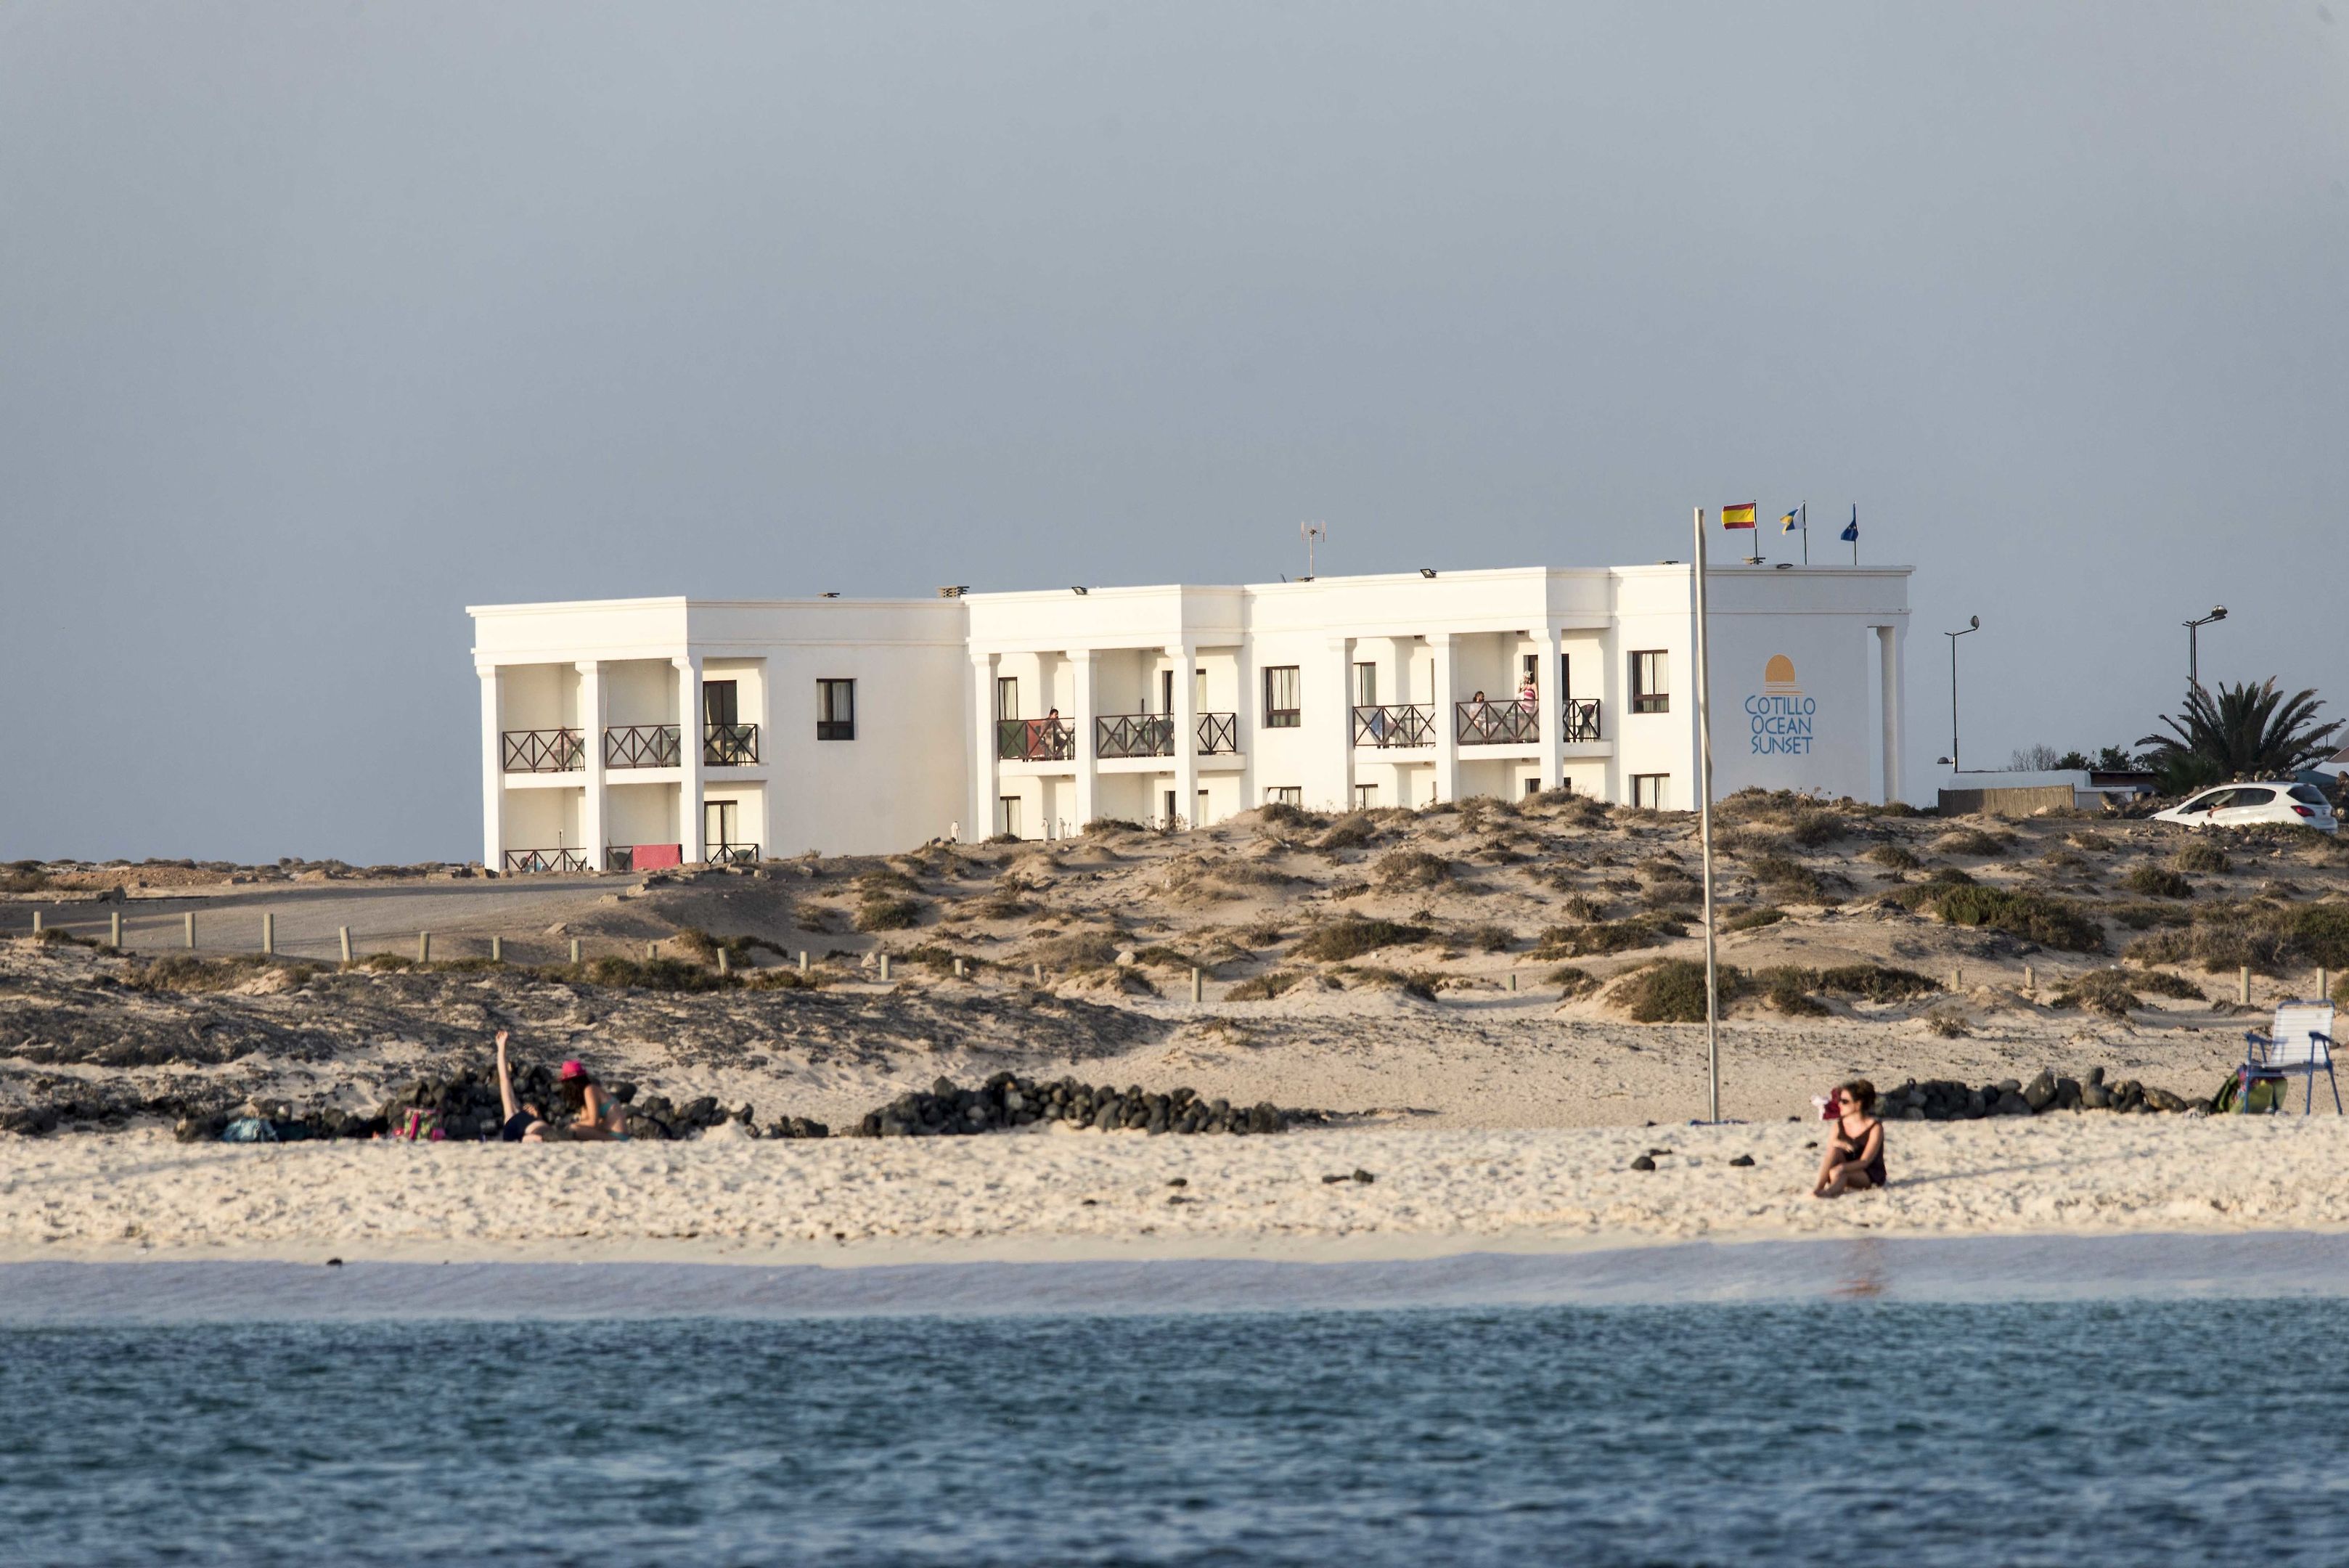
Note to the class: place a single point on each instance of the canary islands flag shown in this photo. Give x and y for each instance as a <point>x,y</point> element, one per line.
<point>1798,518</point>
<point>1740,515</point>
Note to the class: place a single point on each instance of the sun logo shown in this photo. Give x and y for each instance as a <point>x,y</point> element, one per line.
<point>1778,677</point>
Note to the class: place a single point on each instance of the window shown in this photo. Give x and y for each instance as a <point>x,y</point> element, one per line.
<point>1650,683</point>
<point>835,710</point>
<point>718,703</point>
<point>1007,814</point>
<point>1285,795</point>
<point>1007,696</point>
<point>1199,817</point>
<point>1565,686</point>
<point>1167,695</point>
<point>1648,789</point>
<point>2307,794</point>
<point>1281,707</point>
<point>1366,798</point>
<point>1533,785</point>
<point>1366,685</point>
<point>1529,671</point>
<point>1198,690</point>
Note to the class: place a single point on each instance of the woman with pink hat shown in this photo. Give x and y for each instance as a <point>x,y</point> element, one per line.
<point>595,1115</point>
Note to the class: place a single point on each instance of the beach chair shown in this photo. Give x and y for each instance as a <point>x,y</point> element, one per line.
<point>2299,1042</point>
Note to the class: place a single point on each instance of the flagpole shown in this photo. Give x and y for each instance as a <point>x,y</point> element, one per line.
<point>1704,833</point>
<point>1806,532</point>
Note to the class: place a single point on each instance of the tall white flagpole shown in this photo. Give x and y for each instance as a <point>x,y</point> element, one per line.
<point>1704,831</point>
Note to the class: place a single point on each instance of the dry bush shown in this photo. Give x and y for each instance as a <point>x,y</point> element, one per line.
<point>1574,981</point>
<point>1073,949</point>
<point>1787,988</point>
<point>1579,906</point>
<point>1786,879</point>
<point>2094,843</point>
<point>2033,916</point>
<point>1974,841</point>
<point>1875,983</point>
<point>1281,814</point>
<point>2154,882</point>
<point>888,880</point>
<point>1948,1025</point>
<point>1753,919</point>
<point>2061,860</point>
<point>2110,991</point>
<point>1898,856</point>
<point>1260,934</point>
<point>882,912</point>
<point>1106,827</point>
<point>1412,869</point>
<point>1603,937</point>
<point>1263,987</point>
<point>1348,832</point>
<point>2202,856</point>
<point>1351,937</point>
<point>1813,828</point>
<point>1487,938</point>
<point>1672,991</point>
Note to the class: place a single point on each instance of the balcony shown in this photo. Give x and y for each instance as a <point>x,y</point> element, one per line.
<point>730,854</point>
<point>1395,725</point>
<point>1219,735</point>
<point>1035,740</point>
<point>642,746</point>
<point>545,750</point>
<point>1133,735</point>
<point>1580,716</point>
<point>729,745</point>
<point>642,857</point>
<point>1508,723</point>
<point>522,862</point>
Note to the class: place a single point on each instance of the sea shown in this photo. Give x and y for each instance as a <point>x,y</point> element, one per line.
<point>2128,1400</point>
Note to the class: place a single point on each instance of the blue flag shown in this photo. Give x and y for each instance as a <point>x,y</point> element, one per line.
<point>1851,529</point>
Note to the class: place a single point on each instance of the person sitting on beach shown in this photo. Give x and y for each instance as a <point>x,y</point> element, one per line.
<point>1854,1160</point>
<point>595,1115</point>
<point>524,1123</point>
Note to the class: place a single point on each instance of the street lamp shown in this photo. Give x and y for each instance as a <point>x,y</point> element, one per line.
<point>1974,624</point>
<point>2193,655</point>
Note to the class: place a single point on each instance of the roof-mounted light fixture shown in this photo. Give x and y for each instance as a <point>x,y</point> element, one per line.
<point>1078,591</point>
<point>1427,571</point>
<point>954,592</point>
<point>829,593</point>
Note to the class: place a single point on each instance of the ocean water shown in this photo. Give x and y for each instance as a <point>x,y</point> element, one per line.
<point>1843,1429</point>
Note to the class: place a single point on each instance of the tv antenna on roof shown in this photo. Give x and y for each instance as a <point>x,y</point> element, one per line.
<point>1312,533</point>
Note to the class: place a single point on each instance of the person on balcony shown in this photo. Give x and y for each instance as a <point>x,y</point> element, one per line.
<point>1529,696</point>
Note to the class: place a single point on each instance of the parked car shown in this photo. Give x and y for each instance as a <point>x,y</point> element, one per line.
<point>2245,804</point>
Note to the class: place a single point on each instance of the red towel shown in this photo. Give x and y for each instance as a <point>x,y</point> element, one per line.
<point>649,856</point>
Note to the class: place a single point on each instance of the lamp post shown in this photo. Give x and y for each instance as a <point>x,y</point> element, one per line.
<point>2193,654</point>
<point>1974,624</point>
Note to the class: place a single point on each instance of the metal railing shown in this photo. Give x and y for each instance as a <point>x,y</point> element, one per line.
<point>729,745</point>
<point>521,862</point>
<point>1035,740</point>
<point>730,854</point>
<point>642,746</point>
<point>1395,725</point>
<point>545,750</point>
<point>1133,735</point>
<point>623,856</point>
<point>1505,723</point>
<point>1219,735</point>
<point>1582,717</point>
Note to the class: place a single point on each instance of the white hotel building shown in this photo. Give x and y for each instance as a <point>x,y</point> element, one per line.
<point>864,726</point>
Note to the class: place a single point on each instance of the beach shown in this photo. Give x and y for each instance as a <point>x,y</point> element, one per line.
<point>1093,1195</point>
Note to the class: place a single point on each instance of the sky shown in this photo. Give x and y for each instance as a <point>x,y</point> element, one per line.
<point>320,322</point>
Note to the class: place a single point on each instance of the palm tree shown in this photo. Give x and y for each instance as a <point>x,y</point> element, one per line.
<point>2248,731</point>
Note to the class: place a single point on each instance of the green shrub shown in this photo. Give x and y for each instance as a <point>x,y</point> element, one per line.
<point>1489,938</point>
<point>1972,841</point>
<point>1573,981</point>
<point>2033,916</point>
<point>2154,882</point>
<point>1603,937</point>
<point>1351,936</point>
<point>2094,843</point>
<point>1672,991</point>
<point>1348,832</point>
<point>186,973</point>
<point>1753,919</point>
<point>2110,991</point>
<point>2200,855</point>
<point>1281,814</point>
<point>2161,947</point>
<point>880,912</point>
<point>1412,869</point>
<point>888,880</point>
<point>650,975</point>
<point>1264,987</point>
<point>1812,828</point>
<point>1788,988</point>
<point>1789,880</point>
<point>1898,856</point>
<point>2177,987</point>
<point>1578,907</point>
<point>2321,931</point>
<point>2139,917</point>
<point>1260,934</point>
<point>1875,983</point>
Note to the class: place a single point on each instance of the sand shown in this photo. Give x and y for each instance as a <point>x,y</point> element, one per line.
<point>1094,1195</point>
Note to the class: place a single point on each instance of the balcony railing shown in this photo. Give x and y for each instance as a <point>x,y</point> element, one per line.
<point>625,857</point>
<point>641,746</point>
<point>729,745</point>
<point>1035,740</point>
<point>1219,735</point>
<point>521,862</point>
<point>1581,717</point>
<point>545,750</point>
<point>1395,725</point>
<point>1133,735</point>
<point>730,854</point>
<point>1505,723</point>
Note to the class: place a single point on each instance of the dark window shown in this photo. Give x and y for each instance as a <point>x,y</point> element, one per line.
<point>2252,798</point>
<point>1285,795</point>
<point>1648,789</point>
<point>718,705</point>
<point>1650,683</point>
<point>1007,696</point>
<point>835,710</point>
<point>2308,794</point>
<point>1281,707</point>
<point>1366,798</point>
<point>1366,685</point>
<point>1565,685</point>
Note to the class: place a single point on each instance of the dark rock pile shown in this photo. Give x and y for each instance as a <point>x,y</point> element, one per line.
<point>1944,1100</point>
<point>465,1107</point>
<point>1005,1101</point>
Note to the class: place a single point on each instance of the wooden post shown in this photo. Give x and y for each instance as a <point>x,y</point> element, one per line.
<point>424,947</point>
<point>574,949</point>
<point>497,949</point>
<point>652,951</point>
<point>2243,986</point>
<point>114,930</point>
<point>189,917</point>
<point>721,961</point>
<point>345,932</point>
<point>1040,974</point>
<point>2030,980</point>
<point>1513,980</point>
<point>884,968</point>
<point>268,933</point>
<point>37,922</point>
<point>957,969</point>
<point>1198,985</point>
<point>2323,992</point>
<point>803,960</point>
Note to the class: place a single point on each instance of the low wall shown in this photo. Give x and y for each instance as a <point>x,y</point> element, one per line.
<point>2024,802</point>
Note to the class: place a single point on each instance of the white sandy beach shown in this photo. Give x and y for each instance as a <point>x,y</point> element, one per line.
<point>1090,1195</point>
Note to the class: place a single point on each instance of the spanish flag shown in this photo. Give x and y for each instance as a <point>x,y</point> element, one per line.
<point>1740,515</point>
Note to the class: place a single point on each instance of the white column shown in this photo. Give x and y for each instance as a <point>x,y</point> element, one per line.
<point>984,773</point>
<point>1888,655</point>
<point>688,756</point>
<point>1185,655</point>
<point>493,773</point>
<point>1083,667</point>
<point>1248,720</point>
<point>1550,692</point>
<point>591,735</point>
<point>1447,728</point>
<point>1340,783</point>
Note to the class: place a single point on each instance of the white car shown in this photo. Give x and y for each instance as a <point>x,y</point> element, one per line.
<point>2247,805</point>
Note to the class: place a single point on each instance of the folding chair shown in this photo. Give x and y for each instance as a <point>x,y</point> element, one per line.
<point>2299,1042</point>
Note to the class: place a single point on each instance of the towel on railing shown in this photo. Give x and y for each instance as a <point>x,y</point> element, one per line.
<point>649,856</point>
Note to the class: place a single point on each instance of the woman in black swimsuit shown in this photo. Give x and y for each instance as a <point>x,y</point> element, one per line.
<point>1854,1160</point>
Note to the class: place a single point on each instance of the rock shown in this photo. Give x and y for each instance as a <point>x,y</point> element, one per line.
<point>1643,1163</point>
<point>1179,1181</point>
<point>2041,1092</point>
<point>1742,1159</point>
<point>2096,1075</point>
<point>2011,1105</point>
<point>1364,1177</point>
<point>1125,959</point>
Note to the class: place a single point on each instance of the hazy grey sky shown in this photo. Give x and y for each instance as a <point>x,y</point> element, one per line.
<point>319,322</point>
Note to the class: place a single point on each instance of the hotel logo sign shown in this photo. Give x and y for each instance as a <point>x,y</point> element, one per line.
<point>1779,713</point>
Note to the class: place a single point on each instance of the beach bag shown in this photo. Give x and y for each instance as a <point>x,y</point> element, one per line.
<point>249,1129</point>
<point>2267,1096</point>
<point>421,1127</point>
